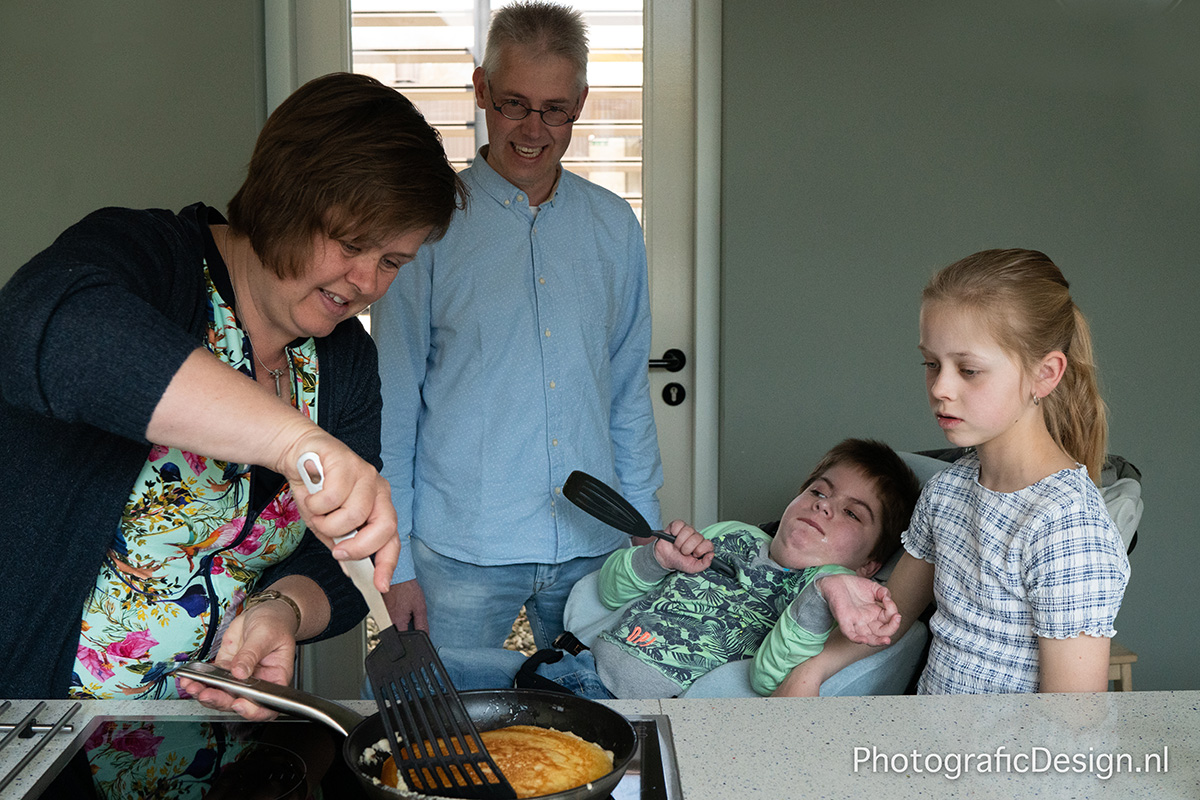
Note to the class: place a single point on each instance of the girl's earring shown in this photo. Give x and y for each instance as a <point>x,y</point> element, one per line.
<point>1036,400</point>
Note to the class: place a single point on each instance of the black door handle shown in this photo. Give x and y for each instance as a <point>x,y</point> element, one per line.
<point>672,361</point>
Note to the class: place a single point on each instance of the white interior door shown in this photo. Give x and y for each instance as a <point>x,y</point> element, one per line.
<point>668,176</point>
<point>679,197</point>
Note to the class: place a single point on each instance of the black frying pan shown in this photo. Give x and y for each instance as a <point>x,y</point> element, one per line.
<point>489,709</point>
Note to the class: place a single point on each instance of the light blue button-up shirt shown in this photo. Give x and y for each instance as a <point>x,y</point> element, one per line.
<point>512,352</point>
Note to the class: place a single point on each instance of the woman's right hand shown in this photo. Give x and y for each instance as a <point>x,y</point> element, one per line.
<point>212,409</point>
<point>354,497</point>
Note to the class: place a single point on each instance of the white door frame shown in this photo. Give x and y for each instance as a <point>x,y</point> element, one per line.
<point>681,176</point>
<point>705,477</point>
<point>302,40</point>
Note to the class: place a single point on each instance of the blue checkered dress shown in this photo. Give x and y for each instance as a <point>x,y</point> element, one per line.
<point>1046,561</point>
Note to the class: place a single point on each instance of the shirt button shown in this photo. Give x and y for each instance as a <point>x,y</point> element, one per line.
<point>552,384</point>
<point>520,198</point>
<point>547,333</point>
<point>542,281</point>
<point>554,442</point>
<point>558,490</point>
<point>505,202</point>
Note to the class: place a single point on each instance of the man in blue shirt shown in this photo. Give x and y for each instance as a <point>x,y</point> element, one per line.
<point>512,352</point>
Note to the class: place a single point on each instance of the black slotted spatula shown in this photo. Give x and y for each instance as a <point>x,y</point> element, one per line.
<point>607,505</point>
<point>434,743</point>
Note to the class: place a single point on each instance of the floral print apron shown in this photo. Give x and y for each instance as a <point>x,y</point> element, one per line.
<point>189,548</point>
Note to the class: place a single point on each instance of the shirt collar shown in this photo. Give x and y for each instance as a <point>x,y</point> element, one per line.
<point>499,187</point>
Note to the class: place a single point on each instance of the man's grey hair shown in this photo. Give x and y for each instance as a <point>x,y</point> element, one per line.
<point>547,28</point>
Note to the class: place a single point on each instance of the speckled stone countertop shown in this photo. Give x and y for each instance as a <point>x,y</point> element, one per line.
<point>1132,744</point>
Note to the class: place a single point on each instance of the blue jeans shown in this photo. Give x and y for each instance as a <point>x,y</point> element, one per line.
<point>489,668</point>
<point>473,606</point>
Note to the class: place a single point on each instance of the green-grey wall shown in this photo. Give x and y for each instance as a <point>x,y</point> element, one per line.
<point>143,103</point>
<point>866,144</point>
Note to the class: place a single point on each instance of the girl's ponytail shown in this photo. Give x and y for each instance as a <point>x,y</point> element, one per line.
<point>1075,412</point>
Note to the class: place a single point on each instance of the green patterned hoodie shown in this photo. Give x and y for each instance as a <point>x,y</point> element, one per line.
<point>679,627</point>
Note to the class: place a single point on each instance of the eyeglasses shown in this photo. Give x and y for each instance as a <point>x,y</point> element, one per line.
<point>553,116</point>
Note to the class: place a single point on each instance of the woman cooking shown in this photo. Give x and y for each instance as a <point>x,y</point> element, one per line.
<point>161,376</point>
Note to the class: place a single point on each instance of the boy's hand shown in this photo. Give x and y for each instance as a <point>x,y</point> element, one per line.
<point>863,608</point>
<point>690,551</point>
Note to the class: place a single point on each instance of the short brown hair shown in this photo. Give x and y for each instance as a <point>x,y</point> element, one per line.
<point>347,156</point>
<point>894,480</point>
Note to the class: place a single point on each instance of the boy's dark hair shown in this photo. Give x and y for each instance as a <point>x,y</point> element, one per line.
<point>349,157</point>
<point>895,481</point>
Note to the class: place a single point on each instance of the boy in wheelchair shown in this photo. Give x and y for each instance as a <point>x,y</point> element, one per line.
<point>686,620</point>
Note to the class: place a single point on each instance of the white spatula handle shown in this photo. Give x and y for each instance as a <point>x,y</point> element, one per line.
<point>317,485</point>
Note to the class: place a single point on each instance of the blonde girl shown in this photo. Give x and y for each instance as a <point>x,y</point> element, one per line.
<point>1013,541</point>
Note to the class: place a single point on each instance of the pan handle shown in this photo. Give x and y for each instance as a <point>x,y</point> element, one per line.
<point>272,695</point>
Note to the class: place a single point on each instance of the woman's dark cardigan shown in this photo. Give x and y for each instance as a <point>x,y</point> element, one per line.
<point>91,332</point>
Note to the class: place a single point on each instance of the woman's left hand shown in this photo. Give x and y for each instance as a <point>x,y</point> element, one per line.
<point>260,643</point>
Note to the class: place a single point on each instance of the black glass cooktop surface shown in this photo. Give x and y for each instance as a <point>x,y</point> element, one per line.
<point>182,758</point>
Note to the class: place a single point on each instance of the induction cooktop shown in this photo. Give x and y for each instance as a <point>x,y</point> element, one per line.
<point>181,758</point>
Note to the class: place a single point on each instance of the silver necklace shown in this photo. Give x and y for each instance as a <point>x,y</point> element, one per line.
<point>274,373</point>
